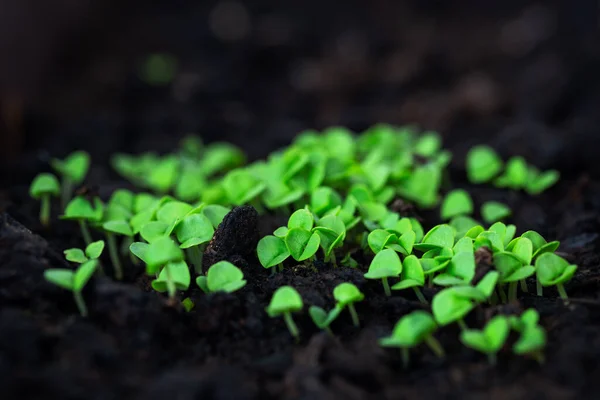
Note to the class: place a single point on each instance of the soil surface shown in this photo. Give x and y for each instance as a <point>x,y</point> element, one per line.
<point>521,76</point>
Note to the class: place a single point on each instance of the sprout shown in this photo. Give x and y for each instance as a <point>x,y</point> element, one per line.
<point>272,251</point>
<point>193,233</point>
<point>460,271</point>
<point>386,264</point>
<point>412,277</point>
<point>220,157</point>
<point>92,252</point>
<point>42,188</point>
<point>490,239</point>
<point>483,164</point>
<point>73,170</point>
<point>451,305</point>
<point>412,330</point>
<point>441,236</point>
<point>515,175</point>
<point>457,203</point>
<point>422,186</point>
<point>489,340</point>
<point>346,294</point>
<point>493,211</point>
<point>538,182</point>
<point>242,187</point>
<point>322,319</point>
<point>74,281</point>
<point>553,270</point>
<point>302,244</point>
<point>332,232</point>
<point>222,277</point>
<point>188,304</point>
<point>531,342</point>
<point>512,270</point>
<point>285,301</point>
<point>174,276</point>
<point>80,209</point>
<point>157,254</point>
<point>540,246</point>
<point>529,318</point>
<point>161,177</point>
<point>324,199</point>
<point>381,238</point>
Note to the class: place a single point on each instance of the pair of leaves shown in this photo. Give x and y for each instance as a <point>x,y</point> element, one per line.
<point>286,299</point>
<point>92,252</point>
<point>177,272</point>
<point>411,330</point>
<point>44,184</point>
<point>222,277</point>
<point>490,339</point>
<point>71,280</point>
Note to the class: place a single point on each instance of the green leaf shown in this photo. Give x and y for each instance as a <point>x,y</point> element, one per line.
<point>281,232</point>
<point>140,250</point>
<point>324,199</point>
<point>496,332</point>
<point>160,252</point>
<point>202,283</point>
<point>271,251</point>
<point>219,157</point>
<point>241,186</point>
<point>172,211</point>
<point>407,241</point>
<point>75,255</point>
<point>539,183</point>
<point>215,213</point>
<point>301,219</point>
<point>347,293</point>
<point>74,167</point>
<point>44,184</point>
<point>462,266</point>
<point>163,174</point>
<point>411,330</point>
<point>118,227</point>
<point>440,236</point>
<point>532,339</point>
<point>552,269</point>
<point>516,174</point>
<point>493,211</point>
<point>491,240</point>
<point>462,224</point>
<point>83,274</point>
<point>224,277</point>
<point>428,144</point>
<point>193,230</point>
<point>139,220</point>
<point>94,250</point>
<point>457,202</point>
<point>178,272</point>
<point>154,230</point>
<point>379,239</point>
<point>79,209</point>
<point>386,264</point>
<point>422,186</point>
<point>464,245</point>
<point>285,299</point>
<point>483,164</point>
<point>523,249</point>
<point>447,307</point>
<point>506,263</point>
<point>301,243</point>
<point>60,277</point>
<point>488,283</point>
<point>431,266</point>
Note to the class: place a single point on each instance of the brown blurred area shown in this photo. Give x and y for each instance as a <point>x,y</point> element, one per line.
<point>248,69</point>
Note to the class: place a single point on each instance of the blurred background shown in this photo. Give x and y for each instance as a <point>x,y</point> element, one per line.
<point>111,75</point>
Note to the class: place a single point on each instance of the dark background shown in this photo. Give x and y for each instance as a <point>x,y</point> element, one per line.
<point>522,75</point>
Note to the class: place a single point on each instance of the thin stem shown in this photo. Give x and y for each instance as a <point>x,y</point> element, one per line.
<point>562,292</point>
<point>333,259</point>
<point>80,303</point>
<point>524,288</point>
<point>354,315</point>
<point>114,255</point>
<point>492,358</point>
<point>512,291</point>
<point>405,357</point>
<point>494,298</point>
<point>45,210</point>
<point>170,284</point>
<point>85,232</point>
<point>273,270</point>
<point>280,267</point>
<point>386,287</point>
<point>67,190</point>
<point>430,281</point>
<point>329,331</point>
<point>462,325</point>
<point>435,346</point>
<point>419,295</point>
<point>291,325</point>
<point>540,289</point>
<point>502,294</point>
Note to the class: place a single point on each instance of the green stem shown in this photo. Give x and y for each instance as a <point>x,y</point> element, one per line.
<point>45,210</point>
<point>512,291</point>
<point>420,296</point>
<point>273,270</point>
<point>114,255</point>
<point>333,259</point>
<point>562,292</point>
<point>502,293</point>
<point>405,357</point>
<point>354,315</point>
<point>291,325</point>
<point>462,325</point>
<point>435,346</point>
<point>524,288</point>
<point>67,190</point>
<point>430,281</point>
<point>80,303</point>
<point>494,298</point>
<point>280,267</point>
<point>386,287</point>
<point>492,358</point>
<point>85,232</point>
<point>329,331</point>
<point>540,289</point>
<point>170,284</point>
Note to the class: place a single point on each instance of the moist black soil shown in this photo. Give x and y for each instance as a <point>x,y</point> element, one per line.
<point>468,71</point>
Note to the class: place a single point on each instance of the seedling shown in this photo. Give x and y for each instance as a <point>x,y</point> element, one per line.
<point>157,254</point>
<point>302,244</point>
<point>489,340</point>
<point>493,211</point>
<point>285,301</point>
<point>412,277</point>
<point>386,264</point>
<point>531,343</point>
<point>222,277</point>
<point>74,281</point>
<point>332,232</point>
<point>323,319</point>
<point>194,232</point>
<point>220,157</point>
<point>324,199</point>
<point>483,164</point>
<point>72,170</point>
<point>538,182</point>
<point>540,245</point>
<point>457,203</point>
<point>272,251</point>
<point>92,252</point>
<point>528,319</point>
<point>242,187</point>
<point>450,305</point>
<point>188,304</point>
<point>174,276</point>
<point>80,209</point>
<point>161,177</point>
<point>460,270</point>
<point>412,330</point>
<point>346,294</point>
<point>422,186</point>
<point>440,237</point>
<point>43,187</point>
<point>515,175</point>
<point>553,270</point>
<point>512,270</point>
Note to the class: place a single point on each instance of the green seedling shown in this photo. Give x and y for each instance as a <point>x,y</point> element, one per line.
<point>324,199</point>
<point>422,186</point>
<point>81,210</point>
<point>489,340</point>
<point>162,176</point>
<point>72,170</point>
<point>531,343</point>
<point>93,251</point>
<point>220,157</point>
<point>188,304</point>
<point>323,319</point>
<point>157,254</point>
<point>346,294</point>
<point>538,182</point>
<point>222,277</point>
<point>302,244</point>
<point>174,276</point>
<point>512,270</point>
<point>193,233</point>
<point>428,144</point>
<point>483,164</point>
<point>515,175</point>
<point>74,281</point>
<point>242,187</point>
<point>332,232</point>
<point>348,261</point>
<point>43,187</point>
<point>285,301</point>
<point>540,245</point>
<point>457,203</point>
<point>386,264</point>
<point>451,305</point>
<point>412,330</point>
<point>440,237</point>
<point>380,239</point>
<point>272,251</point>
<point>460,270</point>
<point>412,277</point>
<point>463,225</point>
<point>493,211</point>
<point>112,229</point>
<point>528,319</point>
<point>490,239</point>
<point>553,270</point>
<point>191,183</point>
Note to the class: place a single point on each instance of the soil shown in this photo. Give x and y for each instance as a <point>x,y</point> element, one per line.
<point>521,76</point>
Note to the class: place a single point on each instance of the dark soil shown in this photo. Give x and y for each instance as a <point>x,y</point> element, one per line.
<point>456,69</point>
